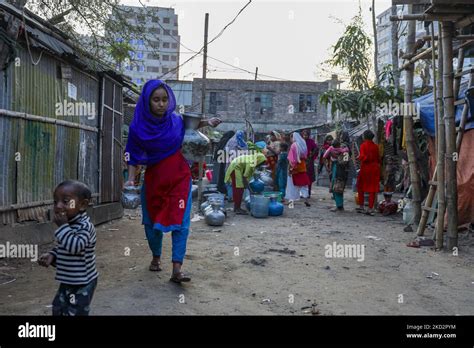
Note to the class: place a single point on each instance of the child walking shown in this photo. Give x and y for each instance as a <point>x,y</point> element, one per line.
<point>74,254</point>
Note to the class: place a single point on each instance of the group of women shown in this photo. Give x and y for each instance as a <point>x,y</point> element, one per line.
<point>155,138</point>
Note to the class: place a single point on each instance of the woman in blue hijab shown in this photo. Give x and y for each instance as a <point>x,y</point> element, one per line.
<point>155,139</point>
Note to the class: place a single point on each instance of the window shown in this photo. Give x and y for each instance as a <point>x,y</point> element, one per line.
<point>174,45</point>
<point>175,33</point>
<point>155,20</point>
<point>132,42</point>
<point>141,68</point>
<point>166,45</point>
<point>166,20</point>
<point>166,32</point>
<point>153,69</point>
<point>165,57</point>
<point>154,30</point>
<point>119,39</point>
<point>217,102</point>
<point>165,70</point>
<point>140,42</point>
<point>131,54</point>
<point>263,103</point>
<point>153,56</point>
<point>306,103</point>
<point>176,23</point>
<point>155,44</point>
<point>173,58</point>
<point>139,55</point>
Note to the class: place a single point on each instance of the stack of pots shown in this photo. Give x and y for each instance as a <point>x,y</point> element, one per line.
<point>214,209</point>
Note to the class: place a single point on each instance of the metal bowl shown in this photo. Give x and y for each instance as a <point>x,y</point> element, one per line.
<point>192,120</point>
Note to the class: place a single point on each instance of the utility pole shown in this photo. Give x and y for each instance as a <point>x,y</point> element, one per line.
<point>256,73</point>
<point>204,66</point>
<point>203,100</point>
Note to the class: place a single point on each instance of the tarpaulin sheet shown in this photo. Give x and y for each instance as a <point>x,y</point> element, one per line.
<point>425,103</point>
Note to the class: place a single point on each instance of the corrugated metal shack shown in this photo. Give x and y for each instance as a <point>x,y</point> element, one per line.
<point>60,118</point>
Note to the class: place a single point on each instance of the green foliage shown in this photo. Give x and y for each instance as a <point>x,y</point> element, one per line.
<point>89,23</point>
<point>359,104</point>
<point>352,52</point>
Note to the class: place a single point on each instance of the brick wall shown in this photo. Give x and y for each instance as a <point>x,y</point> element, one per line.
<point>236,101</point>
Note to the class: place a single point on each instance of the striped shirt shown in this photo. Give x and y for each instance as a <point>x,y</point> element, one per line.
<point>75,251</point>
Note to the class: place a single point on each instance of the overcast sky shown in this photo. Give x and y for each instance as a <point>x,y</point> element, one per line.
<point>284,39</point>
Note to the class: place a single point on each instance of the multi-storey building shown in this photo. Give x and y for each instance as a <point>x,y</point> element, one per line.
<point>156,52</point>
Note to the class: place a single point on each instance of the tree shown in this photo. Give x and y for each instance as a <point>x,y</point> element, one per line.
<point>89,23</point>
<point>351,53</point>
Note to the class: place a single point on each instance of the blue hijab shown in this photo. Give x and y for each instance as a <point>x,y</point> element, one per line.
<point>152,139</point>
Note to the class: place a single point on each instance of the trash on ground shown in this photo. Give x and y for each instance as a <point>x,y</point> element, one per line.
<point>373,237</point>
<point>196,218</point>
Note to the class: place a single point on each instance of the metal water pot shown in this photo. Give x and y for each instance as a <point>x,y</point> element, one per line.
<point>195,144</point>
<point>131,197</point>
<point>266,177</point>
<point>216,217</point>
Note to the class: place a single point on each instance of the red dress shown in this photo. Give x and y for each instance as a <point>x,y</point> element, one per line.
<point>369,175</point>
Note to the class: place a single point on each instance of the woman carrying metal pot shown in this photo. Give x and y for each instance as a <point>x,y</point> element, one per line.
<point>155,139</point>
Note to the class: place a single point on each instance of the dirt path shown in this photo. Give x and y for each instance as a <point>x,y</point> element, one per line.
<point>279,268</point>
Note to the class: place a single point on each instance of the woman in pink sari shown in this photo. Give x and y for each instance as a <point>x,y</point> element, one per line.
<point>298,180</point>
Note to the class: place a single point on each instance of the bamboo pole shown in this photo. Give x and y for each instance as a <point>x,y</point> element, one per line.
<point>408,123</point>
<point>451,154</point>
<point>441,140</point>
<point>431,193</point>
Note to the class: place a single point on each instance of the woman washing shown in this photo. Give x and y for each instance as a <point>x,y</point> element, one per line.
<point>234,148</point>
<point>155,139</point>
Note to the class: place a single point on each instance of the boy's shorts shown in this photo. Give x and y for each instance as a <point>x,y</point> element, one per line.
<point>73,300</point>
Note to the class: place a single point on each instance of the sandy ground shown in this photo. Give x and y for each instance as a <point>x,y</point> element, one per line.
<point>279,268</point>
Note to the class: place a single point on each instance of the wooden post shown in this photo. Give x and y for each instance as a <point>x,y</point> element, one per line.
<point>449,121</point>
<point>441,140</point>
<point>408,121</point>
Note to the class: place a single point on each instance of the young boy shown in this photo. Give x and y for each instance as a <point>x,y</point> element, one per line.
<point>282,168</point>
<point>74,254</point>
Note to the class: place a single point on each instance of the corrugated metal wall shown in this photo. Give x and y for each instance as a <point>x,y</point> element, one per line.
<point>49,153</point>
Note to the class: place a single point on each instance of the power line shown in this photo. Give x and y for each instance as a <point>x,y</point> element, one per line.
<point>202,48</point>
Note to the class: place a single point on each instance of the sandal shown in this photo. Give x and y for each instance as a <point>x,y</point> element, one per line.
<point>241,212</point>
<point>179,277</point>
<point>155,267</point>
<point>307,204</point>
<point>360,210</point>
